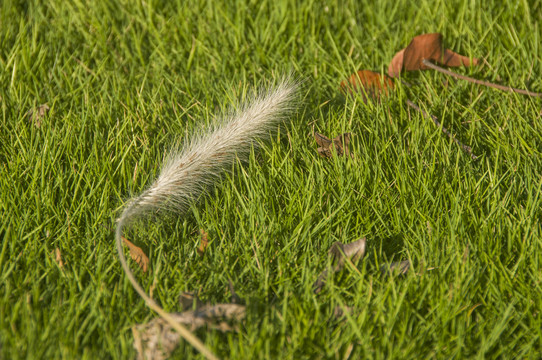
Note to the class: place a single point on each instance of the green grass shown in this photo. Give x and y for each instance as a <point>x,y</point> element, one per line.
<point>125,80</point>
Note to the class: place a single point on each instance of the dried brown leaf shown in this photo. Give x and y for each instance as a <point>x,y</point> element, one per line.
<point>137,254</point>
<point>369,83</point>
<point>325,144</point>
<point>340,252</point>
<point>211,314</point>
<point>426,47</point>
<point>156,340</point>
<point>204,242</point>
<point>396,64</point>
<point>328,147</point>
<point>354,251</point>
<point>35,115</point>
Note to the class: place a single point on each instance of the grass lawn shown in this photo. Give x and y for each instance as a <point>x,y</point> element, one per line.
<point>126,80</point>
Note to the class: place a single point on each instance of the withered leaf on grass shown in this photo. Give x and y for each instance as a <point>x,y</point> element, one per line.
<point>353,251</point>
<point>368,83</point>
<point>203,243</point>
<point>137,254</point>
<point>428,47</point>
<point>156,340</point>
<point>35,115</point>
<point>339,252</point>
<point>328,147</point>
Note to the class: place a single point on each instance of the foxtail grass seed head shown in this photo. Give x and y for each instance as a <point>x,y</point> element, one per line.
<point>193,169</point>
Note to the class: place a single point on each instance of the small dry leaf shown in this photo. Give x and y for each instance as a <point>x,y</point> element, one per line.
<point>137,254</point>
<point>325,144</point>
<point>428,47</point>
<point>156,340</point>
<point>339,252</point>
<point>396,64</point>
<point>204,242</point>
<point>354,251</point>
<point>58,258</point>
<point>368,83</point>
<point>35,115</point>
<point>328,147</point>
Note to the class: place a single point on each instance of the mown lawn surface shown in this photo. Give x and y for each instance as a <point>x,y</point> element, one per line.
<point>126,80</point>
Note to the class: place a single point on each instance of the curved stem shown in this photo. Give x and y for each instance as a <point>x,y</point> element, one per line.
<point>185,333</point>
<point>429,64</point>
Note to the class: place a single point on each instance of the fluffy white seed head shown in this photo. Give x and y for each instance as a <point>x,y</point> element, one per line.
<point>198,165</point>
